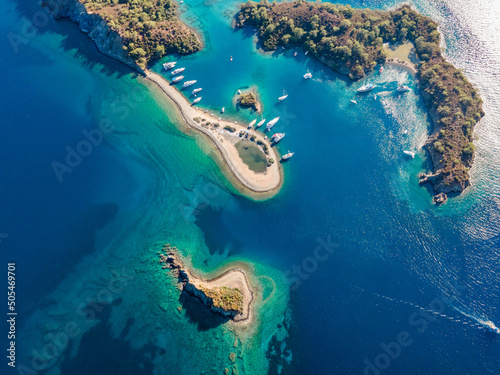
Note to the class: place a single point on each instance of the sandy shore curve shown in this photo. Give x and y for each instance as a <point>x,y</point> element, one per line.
<point>260,185</point>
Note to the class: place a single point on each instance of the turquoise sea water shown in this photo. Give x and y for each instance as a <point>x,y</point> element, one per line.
<point>367,257</point>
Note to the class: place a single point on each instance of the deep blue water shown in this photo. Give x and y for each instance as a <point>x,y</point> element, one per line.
<point>394,258</point>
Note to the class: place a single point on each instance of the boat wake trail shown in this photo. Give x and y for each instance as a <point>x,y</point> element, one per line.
<point>470,319</point>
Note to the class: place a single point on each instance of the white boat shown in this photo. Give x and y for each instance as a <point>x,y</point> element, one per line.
<point>222,110</point>
<point>177,71</point>
<point>188,83</point>
<point>305,54</point>
<point>492,327</point>
<point>353,101</point>
<point>277,137</point>
<point>169,65</point>
<point>260,123</point>
<point>308,75</point>
<point>239,92</point>
<point>366,88</point>
<point>409,153</point>
<point>403,88</point>
<point>178,78</point>
<point>283,97</point>
<point>252,123</point>
<point>197,100</point>
<point>287,156</point>
<point>295,54</point>
<point>271,123</point>
<point>196,91</point>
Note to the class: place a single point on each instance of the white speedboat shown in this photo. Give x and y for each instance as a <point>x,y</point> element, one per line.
<point>353,101</point>
<point>287,156</point>
<point>188,83</point>
<point>177,79</point>
<point>366,88</point>
<point>409,153</point>
<point>308,75</point>
<point>252,123</point>
<point>260,123</point>
<point>169,65</point>
<point>492,327</point>
<point>197,100</point>
<point>295,54</point>
<point>277,137</point>
<point>222,110</point>
<point>271,123</point>
<point>305,54</point>
<point>196,91</point>
<point>403,88</point>
<point>177,71</point>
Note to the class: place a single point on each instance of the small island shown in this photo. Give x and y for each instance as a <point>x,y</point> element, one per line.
<point>228,294</point>
<point>249,99</point>
<point>351,41</point>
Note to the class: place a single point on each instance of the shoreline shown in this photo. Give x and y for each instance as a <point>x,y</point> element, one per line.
<point>262,185</point>
<point>232,275</point>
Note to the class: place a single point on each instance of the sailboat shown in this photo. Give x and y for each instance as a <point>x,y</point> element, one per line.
<point>283,97</point>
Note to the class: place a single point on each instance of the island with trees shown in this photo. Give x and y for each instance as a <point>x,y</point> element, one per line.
<point>351,41</point>
<point>145,29</point>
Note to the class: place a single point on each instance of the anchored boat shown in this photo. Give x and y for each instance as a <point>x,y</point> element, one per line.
<point>252,123</point>
<point>197,100</point>
<point>169,65</point>
<point>178,78</point>
<point>177,71</point>
<point>277,137</point>
<point>271,123</point>
<point>403,88</point>
<point>287,156</point>
<point>196,91</point>
<point>308,75</point>
<point>188,83</point>
<point>260,123</point>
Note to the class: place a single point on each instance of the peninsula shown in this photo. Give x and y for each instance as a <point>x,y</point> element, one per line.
<point>351,41</point>
<point>111,24</point>
<point>228,294</point>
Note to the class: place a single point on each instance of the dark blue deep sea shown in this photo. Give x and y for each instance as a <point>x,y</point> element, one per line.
<point>381,281</point>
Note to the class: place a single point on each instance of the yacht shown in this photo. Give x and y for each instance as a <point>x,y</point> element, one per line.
<point>188,83</point>
<point>271,123</point>
<point>283,97</point>
<point>277,137</point>
<point>403,88</point>
<point>308,75</point>
<point>177,71</point>
<point>252,123</point>
<point>169,65</point>
<point>287,156</point>
<point>260,123</point>
<point>197,100</point>
<point>366,88</point>
<point>178,78</point>
<point>410,153</point>
<point>196,91</point>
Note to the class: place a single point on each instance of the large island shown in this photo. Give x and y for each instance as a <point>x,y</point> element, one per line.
<point>351,41</point>
<point>139,32</point>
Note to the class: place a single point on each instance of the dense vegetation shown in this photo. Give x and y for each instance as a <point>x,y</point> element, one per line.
<point>228,299</point>
<point>248,100</point>
<point>149,28</point>
<point>351,41</point>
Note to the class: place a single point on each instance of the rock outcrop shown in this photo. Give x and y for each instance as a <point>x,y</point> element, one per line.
<point>225,301</point>
<point>108,41</point>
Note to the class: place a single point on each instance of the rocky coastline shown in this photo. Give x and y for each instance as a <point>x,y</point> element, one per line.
<point>228,294</point>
